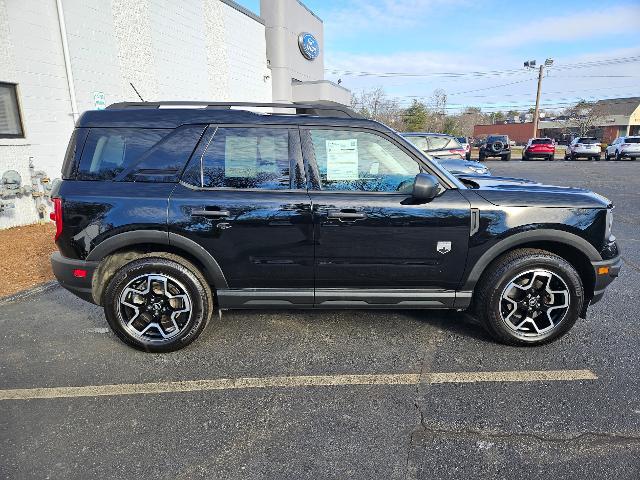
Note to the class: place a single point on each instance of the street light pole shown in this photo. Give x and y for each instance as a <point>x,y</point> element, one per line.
<point>536,113</point>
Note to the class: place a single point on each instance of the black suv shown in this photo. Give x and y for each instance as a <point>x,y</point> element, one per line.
<point>495,146</point>
<point>166,215</point>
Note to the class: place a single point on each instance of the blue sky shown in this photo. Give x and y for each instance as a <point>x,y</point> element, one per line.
<point>428,37</point>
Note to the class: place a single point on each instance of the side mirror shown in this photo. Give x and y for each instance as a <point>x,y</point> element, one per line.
<point>425,187</point>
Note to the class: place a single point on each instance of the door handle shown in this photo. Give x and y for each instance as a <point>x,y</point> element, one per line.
<point>210,213</point>
<point>346,215</point>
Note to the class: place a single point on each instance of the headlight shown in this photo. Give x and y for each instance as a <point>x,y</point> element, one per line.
<point>609,224</point>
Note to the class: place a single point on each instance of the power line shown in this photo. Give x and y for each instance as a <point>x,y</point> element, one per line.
<point>488,73</point>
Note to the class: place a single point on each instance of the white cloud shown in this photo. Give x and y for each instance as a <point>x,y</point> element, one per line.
<point>575,26</point>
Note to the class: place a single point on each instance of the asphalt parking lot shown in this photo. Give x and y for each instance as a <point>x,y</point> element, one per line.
<point>338,394</point>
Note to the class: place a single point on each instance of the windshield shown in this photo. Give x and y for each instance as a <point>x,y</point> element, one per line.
<point>461,139</point>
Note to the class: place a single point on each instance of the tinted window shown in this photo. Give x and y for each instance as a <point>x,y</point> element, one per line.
<point>108,151</point>
<point>351,160</point>
<point>588,140</point>
<point>541,141</point>
<point>501,138</point>
<point>247,158</point>
<point>632,140</point>
<point>461,139</point>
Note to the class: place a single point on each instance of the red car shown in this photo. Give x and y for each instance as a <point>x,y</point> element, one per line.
<point>539,148</point>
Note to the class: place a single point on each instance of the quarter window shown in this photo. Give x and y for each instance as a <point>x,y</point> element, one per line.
<point>362,161</point>
<point>108,151</point>
<point>247,158</point>
<point>10,121</point>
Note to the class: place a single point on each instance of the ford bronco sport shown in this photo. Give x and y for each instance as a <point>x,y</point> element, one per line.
<point>168,213</point>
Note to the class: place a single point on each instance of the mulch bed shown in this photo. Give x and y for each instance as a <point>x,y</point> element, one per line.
<point>24,257</point>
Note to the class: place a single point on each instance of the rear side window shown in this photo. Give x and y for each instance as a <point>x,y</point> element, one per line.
<point>109,151</point>
<point>238,157</point>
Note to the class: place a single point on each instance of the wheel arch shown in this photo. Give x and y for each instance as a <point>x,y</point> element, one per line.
<point>124,247</point>
<point>576,250</point>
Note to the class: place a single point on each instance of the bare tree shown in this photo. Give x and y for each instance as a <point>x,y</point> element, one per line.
<point>583,116</point>
<point>377,105</point>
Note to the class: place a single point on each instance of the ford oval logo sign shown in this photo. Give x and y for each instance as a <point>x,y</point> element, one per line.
<point>309,46</point>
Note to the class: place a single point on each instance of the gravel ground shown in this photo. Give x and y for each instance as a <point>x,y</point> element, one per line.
<point>24,262</point>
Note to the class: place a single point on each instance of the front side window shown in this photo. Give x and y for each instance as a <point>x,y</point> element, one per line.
<point>249,157</point>
<point>10,122</point>
<point>109,151</point>
<point>361,161</point>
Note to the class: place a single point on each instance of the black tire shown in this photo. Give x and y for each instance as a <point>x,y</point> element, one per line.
<point>524,156</point>
<point>597,158</point>
<point>550,158</point>
<point>489,303</point>
<point>505,158</point>
<point>618,156</point>
<point>181,275</point>
<point>468,156</point>
<point>481,157</point>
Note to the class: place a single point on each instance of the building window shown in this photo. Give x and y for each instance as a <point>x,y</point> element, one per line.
<point>10,121</point>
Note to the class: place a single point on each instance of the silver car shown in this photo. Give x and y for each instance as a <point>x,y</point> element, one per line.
<point>585,147</point>
<point>622,147</point>
<point>436,144</point>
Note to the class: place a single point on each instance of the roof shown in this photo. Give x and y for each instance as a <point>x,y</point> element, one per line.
<point>619,106</point>
<point>174,117</point>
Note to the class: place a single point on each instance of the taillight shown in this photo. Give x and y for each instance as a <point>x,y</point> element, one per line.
<point>56,215</point>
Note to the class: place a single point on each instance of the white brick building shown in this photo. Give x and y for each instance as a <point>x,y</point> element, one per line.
<point>62,57</point>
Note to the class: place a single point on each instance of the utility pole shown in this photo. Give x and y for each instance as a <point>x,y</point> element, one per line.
<point>536,113</point>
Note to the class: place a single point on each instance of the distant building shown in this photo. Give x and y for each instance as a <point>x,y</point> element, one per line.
<point>621,116</point>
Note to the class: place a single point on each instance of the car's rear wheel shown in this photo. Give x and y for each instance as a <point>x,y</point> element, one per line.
<point>505,158</point>
<point>524,156</point>
<point>158,303</point>
<point>529,297</point>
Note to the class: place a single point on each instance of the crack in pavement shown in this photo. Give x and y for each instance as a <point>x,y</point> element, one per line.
<point>610,437</point>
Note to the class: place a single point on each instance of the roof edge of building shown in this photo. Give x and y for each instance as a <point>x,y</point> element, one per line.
<point>243,10</point>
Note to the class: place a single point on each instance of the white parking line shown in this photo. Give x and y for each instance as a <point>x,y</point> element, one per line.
<point>296,381</point>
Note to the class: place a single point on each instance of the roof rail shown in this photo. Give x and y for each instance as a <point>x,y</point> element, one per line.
<point>310,108</point>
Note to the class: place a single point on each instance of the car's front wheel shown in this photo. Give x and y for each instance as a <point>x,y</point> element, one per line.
<point>529,297</point>
<point>158,303</point>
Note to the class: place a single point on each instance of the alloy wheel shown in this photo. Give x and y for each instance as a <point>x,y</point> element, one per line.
<point>154,307</point>
<point>534,302</point>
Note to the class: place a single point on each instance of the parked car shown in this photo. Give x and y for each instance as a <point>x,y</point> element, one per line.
<point>495,146</point>
<point>623,147</point>
<point>583,147</point>
<point>463,167</point>
<point>544,148</point>
<point>167,214</point>
<point>466,144</point>
<point>436,144</point>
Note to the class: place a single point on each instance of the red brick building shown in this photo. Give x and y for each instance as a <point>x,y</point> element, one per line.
<point>519,132</point>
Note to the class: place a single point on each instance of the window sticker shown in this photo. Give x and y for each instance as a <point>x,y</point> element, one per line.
<point>342,159</point>
<point>241,155</point>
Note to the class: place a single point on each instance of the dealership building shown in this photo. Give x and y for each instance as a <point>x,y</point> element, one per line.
<point>62,57</point>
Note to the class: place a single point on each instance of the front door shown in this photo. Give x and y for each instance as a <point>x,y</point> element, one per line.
<point>243,199</point>
<point>372,241</point>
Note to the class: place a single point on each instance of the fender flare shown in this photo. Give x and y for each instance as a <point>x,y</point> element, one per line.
<point>522,238</point>
<point>212,271</point>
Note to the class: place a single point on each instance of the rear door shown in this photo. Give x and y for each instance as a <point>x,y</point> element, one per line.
<point>243,198</point>
<point>374,245</point>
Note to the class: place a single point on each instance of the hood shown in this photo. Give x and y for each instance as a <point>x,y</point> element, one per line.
<point>458,166</point>
<point>520,192</point>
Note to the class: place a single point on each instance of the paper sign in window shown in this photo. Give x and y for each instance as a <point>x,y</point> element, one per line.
<point>342,159</point>
<point>240,157</point>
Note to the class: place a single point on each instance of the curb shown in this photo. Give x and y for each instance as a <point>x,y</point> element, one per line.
<point>43,287</point>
